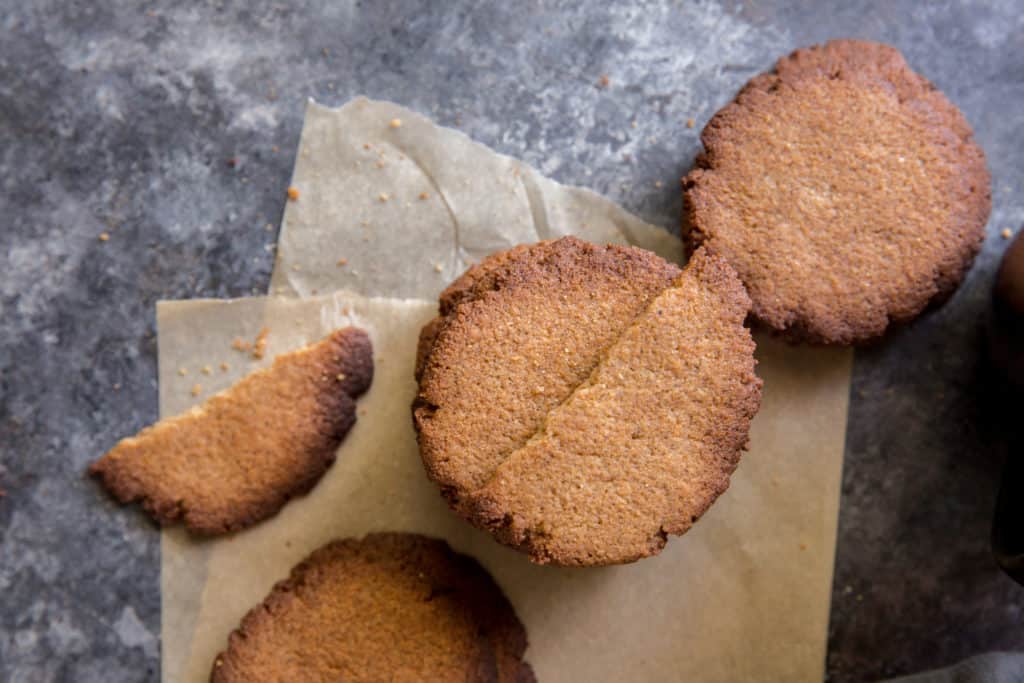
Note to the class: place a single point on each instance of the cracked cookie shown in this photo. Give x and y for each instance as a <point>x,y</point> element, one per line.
<point>395,607</point>
<point>240,456</point>
<point>583,402</point>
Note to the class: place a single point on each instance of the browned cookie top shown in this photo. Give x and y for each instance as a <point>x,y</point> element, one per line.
<point>517,334</point>
<point>586,440</point>
<point>240,456</point>
<point>389,607</point>
<point>844,188</point>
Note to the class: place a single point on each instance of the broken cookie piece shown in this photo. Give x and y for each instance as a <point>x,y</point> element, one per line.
<point>240,456</point>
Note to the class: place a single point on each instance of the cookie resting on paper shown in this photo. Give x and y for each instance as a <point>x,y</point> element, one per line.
<point>391,606</point>
<point>240,456</point>
<point>582,402</point>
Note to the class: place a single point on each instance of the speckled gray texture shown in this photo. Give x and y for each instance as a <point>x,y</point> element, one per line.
<point>122,119</point>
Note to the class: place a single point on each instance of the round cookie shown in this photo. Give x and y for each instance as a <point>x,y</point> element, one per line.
<point>396,607</point>
<point>844,188</point>
<point>583,402</point>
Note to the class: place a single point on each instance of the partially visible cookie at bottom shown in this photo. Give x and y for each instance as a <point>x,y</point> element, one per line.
<point>390,606</point>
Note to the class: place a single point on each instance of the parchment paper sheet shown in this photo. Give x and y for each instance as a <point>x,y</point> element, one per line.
<point>743,596</point>
<point>476,202</point>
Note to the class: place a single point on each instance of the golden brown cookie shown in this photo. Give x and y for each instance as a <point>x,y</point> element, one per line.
<point>389,607</point>
<point>845,189</point>
<point>517,334</point>
<point>586,441</point>
<point>241,455</point>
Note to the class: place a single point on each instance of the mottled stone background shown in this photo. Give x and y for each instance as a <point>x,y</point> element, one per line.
<point>121,118</point>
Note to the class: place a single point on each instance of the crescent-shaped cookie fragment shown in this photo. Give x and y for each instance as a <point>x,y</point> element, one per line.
<point>240,456</point>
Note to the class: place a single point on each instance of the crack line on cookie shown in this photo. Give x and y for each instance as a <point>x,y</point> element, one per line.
<point>476,293</point>
<point>585,383</point>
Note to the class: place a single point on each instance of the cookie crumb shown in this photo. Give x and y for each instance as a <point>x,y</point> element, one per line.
<point>657,183</point>
<point>104,236</point>
<point>342,262</point>
<point>197,389</point>
<point>268,227</point>
<point>206,370</point>
<point>383,196</point>
<point>239,344</point>
<point>632,124</point>
<point>438,267</point>
<point>381,164</point>
<point>293,193</point>
<point>275,149</point>
<point>366,145</point>
<point>224,367</point>
<point>341,377</point>
<point>690,123</point>
<point>1006,233</point>
<point>424,195</point>
<point>803,546</point>
<point>604,81</point>
<point>396,123</point>
<point>182,371</point>
<point>259,347</point>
